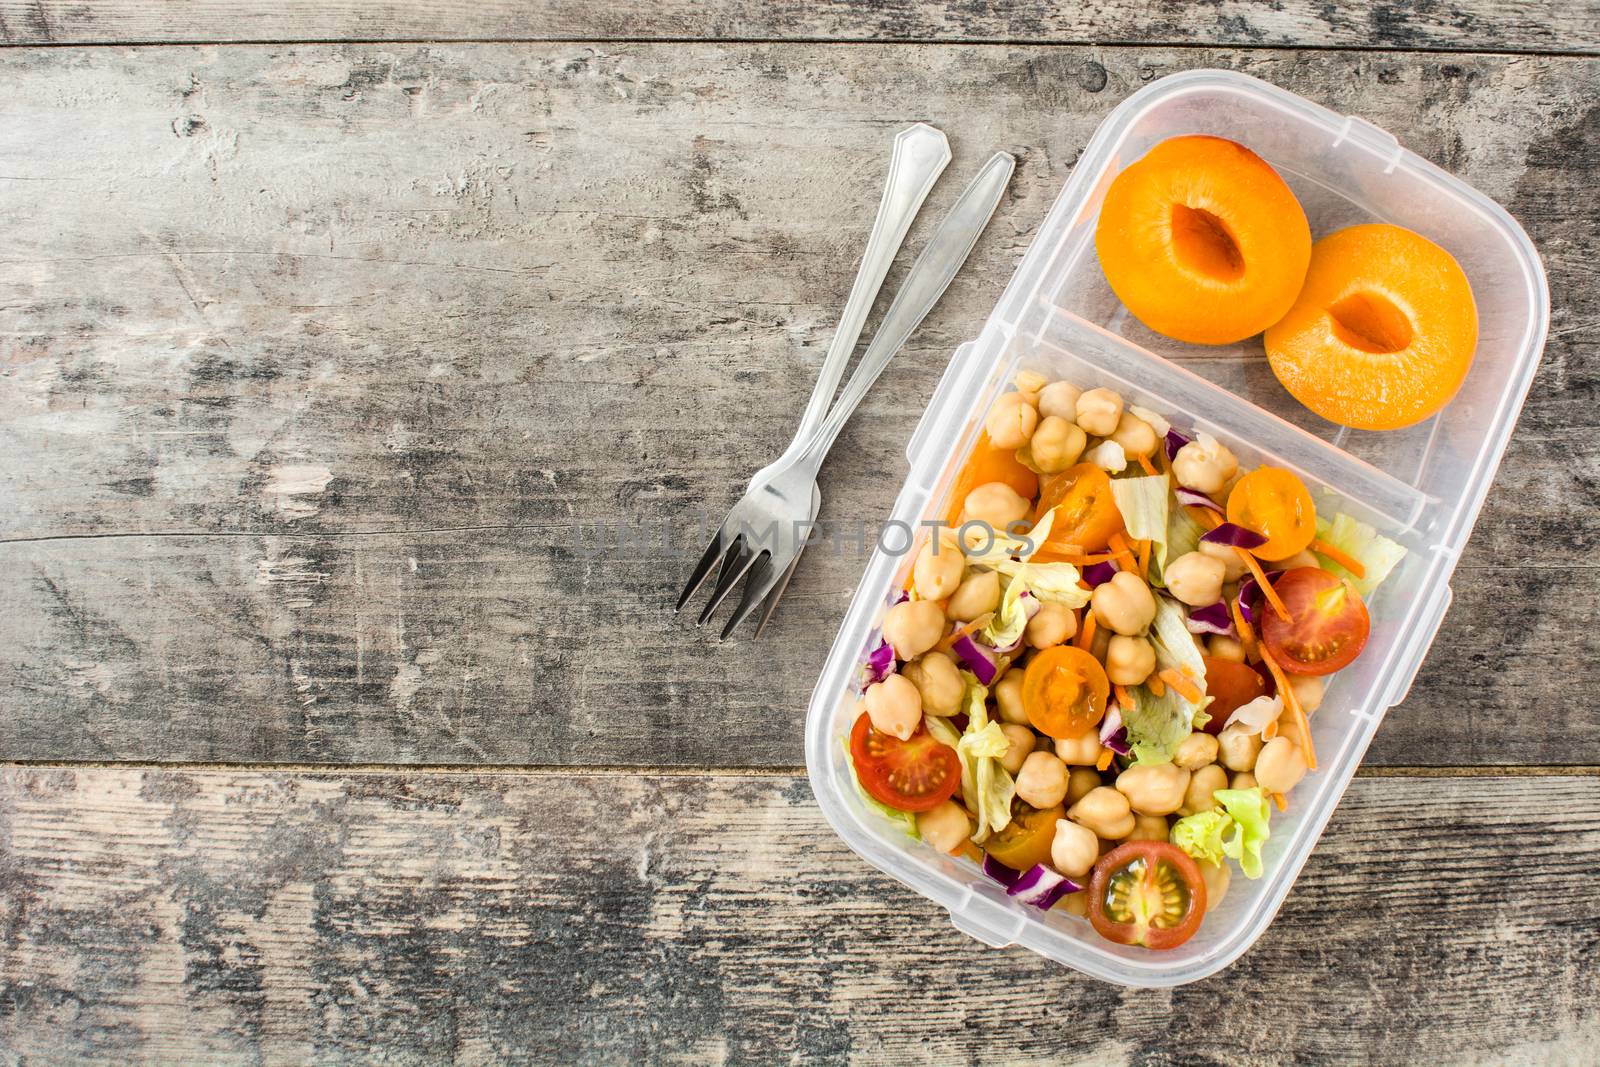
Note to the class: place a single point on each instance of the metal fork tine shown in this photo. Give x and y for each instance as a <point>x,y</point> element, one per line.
<point>770,605</point>
<point>731,573</point>
<point>714,551</point>
<point>756,584</point>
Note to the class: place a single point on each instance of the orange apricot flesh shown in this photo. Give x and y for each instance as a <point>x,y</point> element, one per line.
<point>1203,241</point>
<point>1383,333</point>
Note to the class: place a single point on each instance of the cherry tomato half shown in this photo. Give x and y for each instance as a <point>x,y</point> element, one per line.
<point>1064,691</point>
<point>1231,686</point>
<point>1086,512</point>
<point>1276,505</point>
<point>1328,624</point>
<point>917,774</point>
<point>1026,840</point>
<point>1147,893</point>
<point>990,464</point>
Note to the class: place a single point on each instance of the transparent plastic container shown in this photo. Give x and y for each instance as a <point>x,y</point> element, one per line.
<point>1422,486</point>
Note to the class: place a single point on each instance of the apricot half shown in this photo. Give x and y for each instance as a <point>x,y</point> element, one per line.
<point>1383,332</point>
<point>1203,241</point>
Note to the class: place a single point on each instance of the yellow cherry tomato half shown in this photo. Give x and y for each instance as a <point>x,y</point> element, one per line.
<point>1064,691</point>
<point>1276,505</point>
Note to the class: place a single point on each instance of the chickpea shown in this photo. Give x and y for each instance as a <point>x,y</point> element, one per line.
<point>1099,411</point>
<point>1243,780</point>
<point>1220,647</point>
<point>1308,690</point>
<point>895,706</point>
<point>1011,421</point>
<point>1149,828</point>
<point>1075,904</point>
<point>1233,564</point>
<point>938,569</point>
<point>1008,698</point>
<point>1051,625</point>
<point>1124,604</point>
<point>1021,744</point>
<point>939,681</point>
<point>1137,437</point>
<point>1237,747</point>
<point>945,827</point>
<point>1216,876</point>
<point>1074,849</point>
<point>1280,766</point>
<point>978,595</point>
<point>1030,383</point>
<point>1080,751</point>
<point>1195,751</point>
<point>1056,445</point>
<point>1204,465</point>
<point>1196,579</point>
<point>1042,781</point>
<point>1105,811</point>
<point>913,627</point>
<point>995,503</point>
<point>1202,784</point>
<point>1080,781</point>
<point>1129,660</point>
<point>1153,788</point>
<point>1060,399</point>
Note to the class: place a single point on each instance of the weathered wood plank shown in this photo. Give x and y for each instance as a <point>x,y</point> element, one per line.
<point>1455,25</point>
<point>334,298</point>
<point>238,917</point>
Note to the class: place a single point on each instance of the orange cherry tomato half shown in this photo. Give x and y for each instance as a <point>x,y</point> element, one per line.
<point>1276,505</point>
<point>1328,623</point>
<point>1086,512</point>
<point>917,774</point>
<point>1026,840</point>
<point>1147,893</point>
<point>990,464</point>
<point>1064,691</point>
<point>1231,686</point>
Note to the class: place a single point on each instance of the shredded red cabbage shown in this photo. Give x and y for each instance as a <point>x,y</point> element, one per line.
<point>976,658</point>
<point>878,665</point>
<point>1247,589</point>
<point>999,871</point>
<point>1190,498</point>
<point>1097,574</point>
<point>1211,619</point>
<point>1237,536</point>
<point>1175,441</point>
<point>1113,734</point>
<point>1042,887</point>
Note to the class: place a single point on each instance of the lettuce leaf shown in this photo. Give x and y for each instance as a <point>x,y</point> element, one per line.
<point>1200,835</point>
<point>1183,536</point>
<point>1143,504</point>
<point>986,786</point>
<point>1002,545</point>
<point>1156,724</point>
<point>1377,553</point>
<point>1250,813</point>
<point>1012,618</point>
<point>1175,648</point>
<point>1055,582</point>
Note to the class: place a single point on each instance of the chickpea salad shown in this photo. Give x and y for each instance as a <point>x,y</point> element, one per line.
<point>1098,680</point>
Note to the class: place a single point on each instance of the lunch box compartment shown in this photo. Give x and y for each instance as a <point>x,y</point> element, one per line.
<point>1421,486</point>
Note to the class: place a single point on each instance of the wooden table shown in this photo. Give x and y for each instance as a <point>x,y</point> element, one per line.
<point>327,329</point>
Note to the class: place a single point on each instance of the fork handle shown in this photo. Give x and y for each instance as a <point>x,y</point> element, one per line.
<point>925,283</point>
<point>919,157</point>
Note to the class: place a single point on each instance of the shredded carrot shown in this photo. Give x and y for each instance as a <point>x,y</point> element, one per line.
<point>1339,556</point>
<point>1278,799</point>
<point>1149,468</point>
<point>1247,636</point>
<point>1205,516</point>
<point>1104,759</point>
<point>1144,557</point>
<point>1050,555</point>
<point>1153,683</point>
<point>1291,705</point>
<point>1266,586</point>
<point>1124,698</point>
<point>1086,631</point>
<point>1186,688</point>
<point>963,631</point>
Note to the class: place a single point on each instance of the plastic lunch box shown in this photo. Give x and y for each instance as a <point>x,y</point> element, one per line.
<point>1422,486</point>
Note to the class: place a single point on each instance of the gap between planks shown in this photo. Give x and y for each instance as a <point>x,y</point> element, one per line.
<point>623,770</point>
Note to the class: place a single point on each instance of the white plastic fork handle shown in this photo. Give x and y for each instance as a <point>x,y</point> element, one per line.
<point>920,155</point>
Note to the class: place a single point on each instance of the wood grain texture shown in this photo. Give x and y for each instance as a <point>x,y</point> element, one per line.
<point>1456,25</point>
<point>237,917</point>
<point>378,334</point>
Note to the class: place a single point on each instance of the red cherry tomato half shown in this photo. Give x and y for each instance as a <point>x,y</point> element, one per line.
<point>917,774</point>
<point>1147,893</point>
<point>1328,624</point>
<point>1231,686</point>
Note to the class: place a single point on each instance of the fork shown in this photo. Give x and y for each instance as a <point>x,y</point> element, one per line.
<point>789,501</point>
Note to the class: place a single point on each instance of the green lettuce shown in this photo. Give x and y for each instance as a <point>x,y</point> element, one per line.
<point>1001,545</point>
<point>1008,623</point>
<point>1250,812</point>
<point>1200,835</point>
<point>1175,648</point>
<point>1143,504</point>
<point>1055,582</point>
<point>1156,724</point>
<point>1377,553</point>
<point>986,786</point>
<point>1183,536</point>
